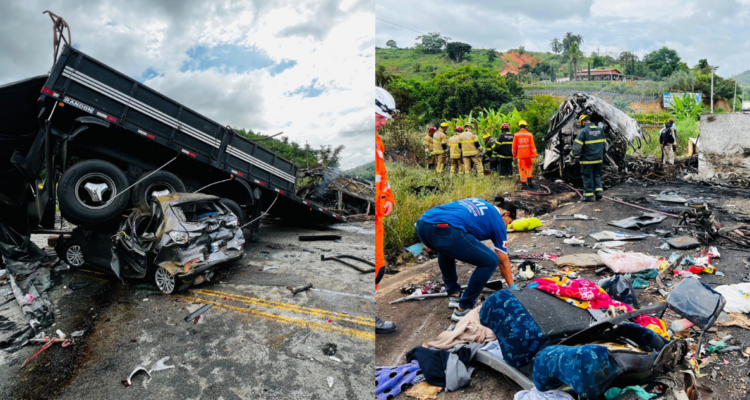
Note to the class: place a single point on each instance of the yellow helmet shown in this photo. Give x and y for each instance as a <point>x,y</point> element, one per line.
<point>581,118</point>
<point>485,136</point>
<point>444,125</point>
<point>522,123</point>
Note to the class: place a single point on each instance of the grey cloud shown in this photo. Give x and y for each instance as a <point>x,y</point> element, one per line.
<point>323,15</point>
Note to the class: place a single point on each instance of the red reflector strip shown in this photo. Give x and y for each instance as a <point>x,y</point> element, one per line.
<point>49,92</point>
<point>113,119</point>
<point>442,225</point>
<point>237,173</point>
<point>306,203</point>
<point>190,153</point>
<point>261,183</point>
<point>146,134</point>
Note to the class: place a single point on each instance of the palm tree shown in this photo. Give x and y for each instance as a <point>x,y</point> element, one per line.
<point>569,39</point>
<point>556,45</point>
<point>575,55</point>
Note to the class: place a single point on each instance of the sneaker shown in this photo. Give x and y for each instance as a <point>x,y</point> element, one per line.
<point>457,315</point>
<point>454,300</point>
<point>384,326</point>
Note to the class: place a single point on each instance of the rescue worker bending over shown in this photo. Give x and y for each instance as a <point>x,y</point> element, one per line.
<point>470,151</point>
<point>439,145</point>
<point>427,143</point>
<point>524,150</point>
<point>505,152</point>
<point>590,145</point>
<point>455,152</point>
<point>456,231</point>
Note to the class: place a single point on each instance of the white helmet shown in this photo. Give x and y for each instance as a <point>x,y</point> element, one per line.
<point>384,103</point>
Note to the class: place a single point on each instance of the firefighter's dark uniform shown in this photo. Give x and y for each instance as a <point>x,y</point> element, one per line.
<point>490,144</point>
<point>504,149</point>
<point>590,145</point>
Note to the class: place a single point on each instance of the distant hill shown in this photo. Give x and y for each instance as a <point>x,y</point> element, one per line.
<point>364,171</point>
<point>743,78</point>
<point>404,62</point>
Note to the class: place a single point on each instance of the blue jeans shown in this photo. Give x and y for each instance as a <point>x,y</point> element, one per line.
<point>454,244</point>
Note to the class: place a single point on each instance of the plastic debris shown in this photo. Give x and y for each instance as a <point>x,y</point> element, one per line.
<point>415,249</point>
<point>680,325</point>
<point>603,236</point>
<point>335,359</point>
<point>623,263</point>
<point>330,381</point>
<point>77,334</point>
<point>160,365</point>
<point>574,242</point>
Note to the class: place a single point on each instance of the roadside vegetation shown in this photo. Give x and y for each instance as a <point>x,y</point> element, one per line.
<point>412,203</point>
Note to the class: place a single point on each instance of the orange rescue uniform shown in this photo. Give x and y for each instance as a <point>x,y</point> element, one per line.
<point>383,194</point>
<point>524,150</point>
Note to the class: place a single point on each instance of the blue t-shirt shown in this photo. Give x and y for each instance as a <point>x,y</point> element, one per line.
<point>473,216</point>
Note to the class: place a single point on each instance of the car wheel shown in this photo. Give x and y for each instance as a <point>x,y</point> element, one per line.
<point>88,192</point>
<point>165,281</point>
<point>72,254</point>
<point>235,209</point>
<point>159,181</point>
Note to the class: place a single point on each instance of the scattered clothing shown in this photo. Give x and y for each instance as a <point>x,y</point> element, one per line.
<point>535,394</point>
<point>468,330</point>
<point>493,348</point>
<point>445,368</point>
<point>525,224</point>
<point>390,381</point>
<point>628,263</point>
<point>613,393</point>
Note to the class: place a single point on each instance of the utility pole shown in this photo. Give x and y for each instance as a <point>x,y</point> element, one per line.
<point>712,91</point>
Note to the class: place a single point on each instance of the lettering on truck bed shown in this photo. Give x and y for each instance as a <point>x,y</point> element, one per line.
<point>78,104</point>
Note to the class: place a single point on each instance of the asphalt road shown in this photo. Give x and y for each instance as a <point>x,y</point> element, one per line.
<point>419,321</point>
<point>258,340</point>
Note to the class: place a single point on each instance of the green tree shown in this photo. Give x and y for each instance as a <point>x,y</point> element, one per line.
<point>433,42</point>
<point>457,50</point>
<point>571,39</point>
<point>663,61</point>
<point>556,46</point>
<point>392,44</point>
<point>330,156</point>
<point>491,55</point>
<point>521,50</point>
<point>575,55</point>
<point>596,60</point>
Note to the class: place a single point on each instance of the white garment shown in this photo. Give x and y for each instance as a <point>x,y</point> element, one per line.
<point>735,295</point>
<point>534,394</point>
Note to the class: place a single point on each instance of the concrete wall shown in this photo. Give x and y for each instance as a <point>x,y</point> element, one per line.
<point>724,147</point>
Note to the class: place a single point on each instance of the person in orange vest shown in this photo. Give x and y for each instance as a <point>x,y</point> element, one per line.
<point>385,109</point>
<point>524,150</point>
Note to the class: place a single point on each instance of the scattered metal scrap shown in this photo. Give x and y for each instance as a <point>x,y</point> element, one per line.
<point>339,191</point>
<point>194,315</point>
<point>357,267</point>
<point>313,238</point>
<point>649,169</point>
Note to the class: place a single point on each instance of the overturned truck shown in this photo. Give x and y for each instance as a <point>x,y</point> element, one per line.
<point>620,130</point>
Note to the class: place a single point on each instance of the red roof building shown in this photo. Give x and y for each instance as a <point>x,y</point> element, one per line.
<point>609,74</point>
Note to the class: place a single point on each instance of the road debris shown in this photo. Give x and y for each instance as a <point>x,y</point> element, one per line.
<point>299,289</point>
<point>339,257</point>
<point>602,236</point>
<point>329,349</point>
<point>338,191</point>
<point>197,313</point>
<point>48,343</point>
<point>315,238</point>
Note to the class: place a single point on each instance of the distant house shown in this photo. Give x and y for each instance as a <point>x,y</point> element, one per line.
<point>609,74</point>
<point>563,79</point>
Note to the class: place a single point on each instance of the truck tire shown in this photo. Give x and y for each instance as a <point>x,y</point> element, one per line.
<point>236,209</point>
<point>79,203</point>
<point>158,181</point>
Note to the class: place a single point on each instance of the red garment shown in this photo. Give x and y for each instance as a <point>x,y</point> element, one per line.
<point>383,194</point>
<point>525,166</point>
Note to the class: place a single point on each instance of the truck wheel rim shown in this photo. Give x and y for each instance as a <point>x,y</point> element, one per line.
<point>85,199</point>
<point>157,187</point>
<point>74,255</point>
<point>164,280</point>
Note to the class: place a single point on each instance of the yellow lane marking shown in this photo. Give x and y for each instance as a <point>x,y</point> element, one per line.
<point>289,307</point>
<point>364,335</point>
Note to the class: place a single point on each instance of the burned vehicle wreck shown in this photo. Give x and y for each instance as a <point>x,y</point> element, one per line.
<point>621,132</point>
<point>176,244</point>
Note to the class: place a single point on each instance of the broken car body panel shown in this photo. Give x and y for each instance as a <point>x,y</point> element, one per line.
<point>185,233</point>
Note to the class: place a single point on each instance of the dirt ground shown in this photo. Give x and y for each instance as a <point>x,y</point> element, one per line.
<point>258,341</point>
<point>419,321</point>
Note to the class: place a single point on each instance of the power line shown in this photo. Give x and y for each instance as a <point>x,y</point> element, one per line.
<point>400,26</point>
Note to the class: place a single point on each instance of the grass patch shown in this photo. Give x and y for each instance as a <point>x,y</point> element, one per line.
<point>686,129</point>
<point>399,227</point>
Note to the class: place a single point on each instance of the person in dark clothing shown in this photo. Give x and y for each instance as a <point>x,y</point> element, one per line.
<point>505,152</point>
<point>489,154</point>
<point>668,142</point>
<point>590,145</point>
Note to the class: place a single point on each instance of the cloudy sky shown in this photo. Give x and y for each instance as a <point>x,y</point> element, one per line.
<point>716,30</point>
<point>302,67</point>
